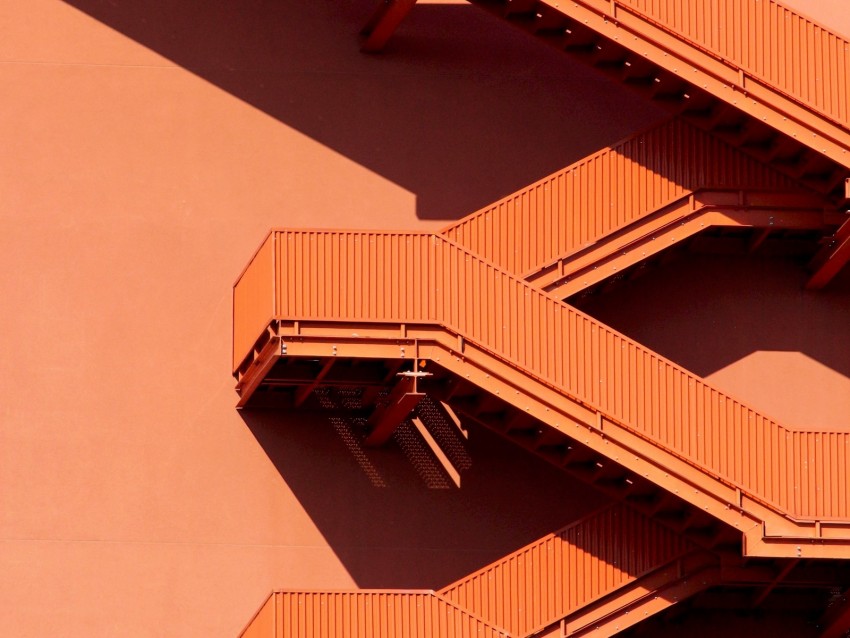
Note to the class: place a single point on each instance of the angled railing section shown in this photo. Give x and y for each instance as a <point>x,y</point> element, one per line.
<point>365,614</point>
<point>645,597</point>
<point>253,308</point>
<point>759,57</point>
<point>378,294</point>
<point>564,572</point>
<point>607,191</point>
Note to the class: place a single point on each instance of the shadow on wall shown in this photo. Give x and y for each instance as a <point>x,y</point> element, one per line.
<point>460,109</point>
<point>391,524</point>
<point>707,312</point>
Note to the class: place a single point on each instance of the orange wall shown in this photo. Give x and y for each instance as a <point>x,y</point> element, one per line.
<point>146,151</point>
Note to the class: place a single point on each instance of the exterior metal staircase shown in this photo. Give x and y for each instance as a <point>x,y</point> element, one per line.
<point>564,577</point>
<point>542,371</point>
<point>768,79</point>
<point>612,189</point>
<point>469,322</point>
<point>598,576</point>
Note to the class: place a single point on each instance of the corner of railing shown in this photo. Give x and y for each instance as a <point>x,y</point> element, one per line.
<point>250,305</point>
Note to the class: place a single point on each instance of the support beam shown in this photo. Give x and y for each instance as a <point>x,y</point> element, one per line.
<point>781,576</point>
<point>383,24</point>
<point>454,419</point>
<point>402,400</point>
<point>303,392</point>
<point>831,259</point>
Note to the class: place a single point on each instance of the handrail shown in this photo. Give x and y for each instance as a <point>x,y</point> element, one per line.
<point>363,276</point>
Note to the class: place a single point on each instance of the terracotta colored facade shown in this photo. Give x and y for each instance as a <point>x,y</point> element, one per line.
<point>148,149</point>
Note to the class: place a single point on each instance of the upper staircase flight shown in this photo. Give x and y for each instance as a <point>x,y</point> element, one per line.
<point>774,82</point>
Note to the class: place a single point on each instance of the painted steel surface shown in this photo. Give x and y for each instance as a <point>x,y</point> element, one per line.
<point>527,591</point>
<point>691,63</point>
<point>368,277</point>
<point>674,223</point>
<point>365,614</point>
<point>606,191</point>
<point>768,41</point>
<point>563,572</point>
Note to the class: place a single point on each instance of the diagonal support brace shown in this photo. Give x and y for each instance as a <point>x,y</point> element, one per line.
<point>403,398</point>
<point>383,24</point>
<point>831,259</point>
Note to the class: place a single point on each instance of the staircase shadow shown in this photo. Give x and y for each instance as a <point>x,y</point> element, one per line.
<point>460,110</point>
<point>389,526</point>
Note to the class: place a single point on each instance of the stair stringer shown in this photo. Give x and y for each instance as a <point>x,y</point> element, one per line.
<point>642,599</point>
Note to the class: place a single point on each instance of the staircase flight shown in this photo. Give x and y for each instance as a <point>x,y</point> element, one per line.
<point>419,295</point>
<point>602,573</point>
